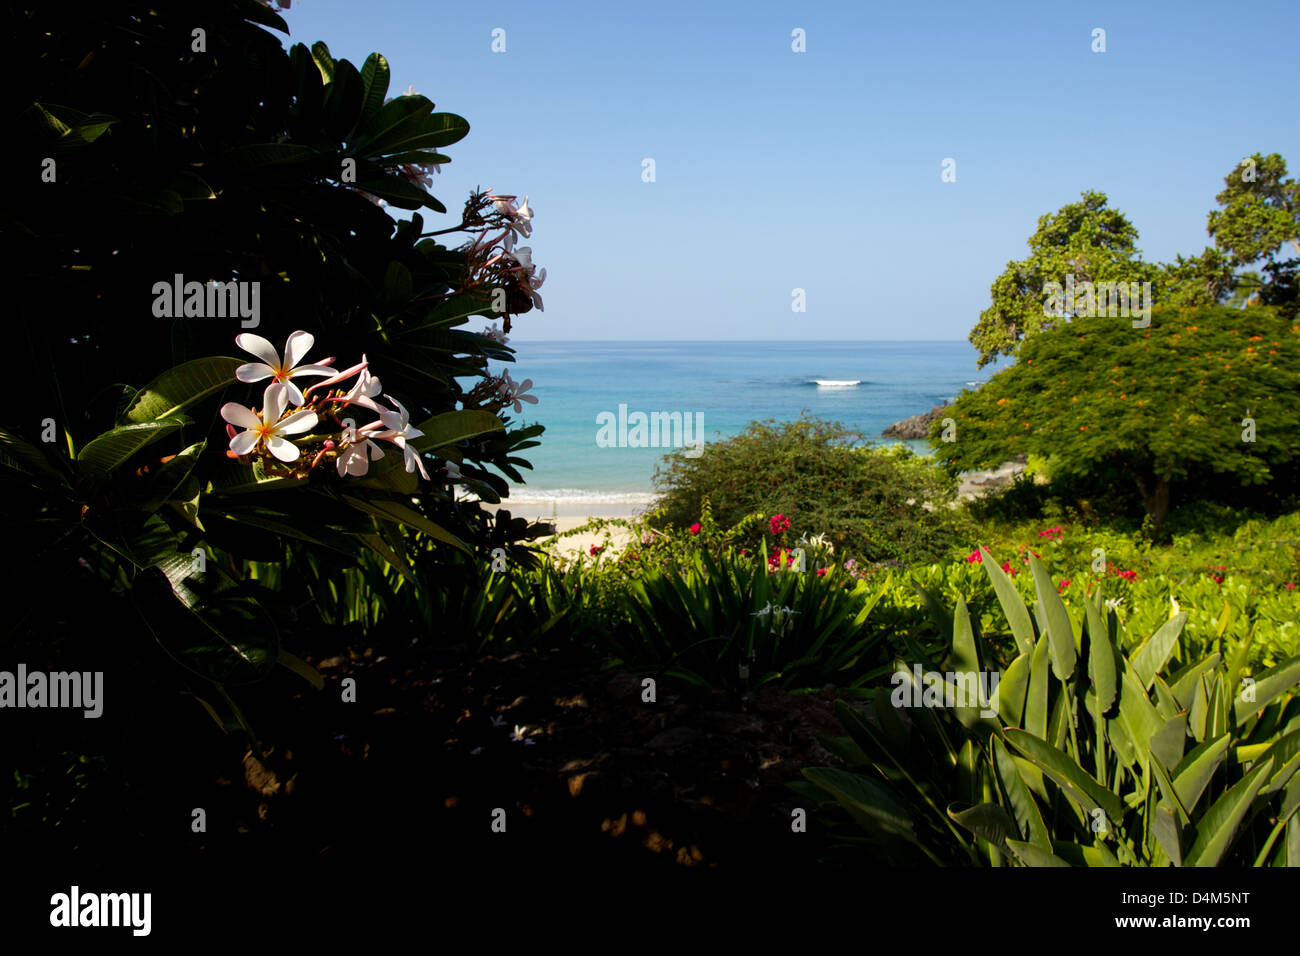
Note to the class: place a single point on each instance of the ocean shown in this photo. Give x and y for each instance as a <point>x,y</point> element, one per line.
<point>721,385</point>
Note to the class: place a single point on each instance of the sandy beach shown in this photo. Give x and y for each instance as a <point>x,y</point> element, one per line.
<point>568,515</point>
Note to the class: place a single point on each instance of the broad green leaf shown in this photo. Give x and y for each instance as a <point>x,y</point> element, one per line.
<point>1267,687</point>
<point>1022,628</point>
<point>1011,691</point>
<point>374,85</point>
<point>178,388</point>
<point>1036,698</point>
<point>1152,654</point>
<point>1217,828</point>
<point>857,792</point>
<point>26,459</point>
<point>1184,686</point>
<point>1101,659</point>
<point>1056,620</point>
<point>1032,827</point>
<point>394,511</point>
<point>301,668</point>
<point>1193,774</point>
<point>1031,855</point>
<point>1073,781</point>
<point>114,448</point>
<point>986,820</point>
<point>452,427</point>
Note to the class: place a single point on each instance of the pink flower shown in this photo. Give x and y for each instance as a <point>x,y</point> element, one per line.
<point>1006,566</point>
<point>1218,578</point>
<point>822,571</point>
<point>975,557</point>
<point>695,528</point>
<point>1289,586</point>
<point>1065,583</point>
<point>779,523</point>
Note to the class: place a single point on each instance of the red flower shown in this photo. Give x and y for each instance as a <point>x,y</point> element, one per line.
<point>1289,586</point>
<point>1006,566</point>
<point>695,528</point>
<point>744,553</point>
<point>1218,578</point>
<point>974,557</point>
<point>1128,575</point>
<point>821,571</point>
<point>779,523</point>
<point>596,549</point>
<point>1065,583</point>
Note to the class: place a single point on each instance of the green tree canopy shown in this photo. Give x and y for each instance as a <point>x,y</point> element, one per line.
<point>1200,396</point>
<point>1087,240</point>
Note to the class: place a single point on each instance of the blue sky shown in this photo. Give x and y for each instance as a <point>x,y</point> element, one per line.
<point>821,170</point>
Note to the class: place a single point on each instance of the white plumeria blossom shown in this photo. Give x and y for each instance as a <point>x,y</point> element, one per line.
<point>399,433</point>
<point>513,392</point>
<point>295,350</point>
<point>269,427</point>
<point>451,471</point>
<point>355,459</point>
<point>496,335</point>
<point>520,736</point>
<point>364,391</point>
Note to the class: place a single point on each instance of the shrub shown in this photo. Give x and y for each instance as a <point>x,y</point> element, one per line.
<point>869,502</point>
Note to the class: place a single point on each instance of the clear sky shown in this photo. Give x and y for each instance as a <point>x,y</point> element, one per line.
<point>821,170</point>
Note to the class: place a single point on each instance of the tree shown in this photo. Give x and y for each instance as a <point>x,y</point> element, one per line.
<point>1086,240</point>
<point>1260,216</point>
<point>1200,396</point>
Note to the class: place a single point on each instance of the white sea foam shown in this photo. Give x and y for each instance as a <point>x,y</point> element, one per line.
<point>836,382</point>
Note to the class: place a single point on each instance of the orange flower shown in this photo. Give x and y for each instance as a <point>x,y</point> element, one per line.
<point>1083,428</point>
<point>1001,401</point>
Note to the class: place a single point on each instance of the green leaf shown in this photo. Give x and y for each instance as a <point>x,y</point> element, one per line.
<point>178,388</point>
<point>1193,774</point>
<point>1154,652</point>
<point>1270,685</point>
<point>987,821</point>
<point>394,511</point>
<point>1081,788</point>
<point>374,87</point>
<point>207,622</point>
<point>1031,855</point>
<point>114,448</point>
<point>1022,627</point>
<point>1101,660</point>
<point>1215,830</point>
<point>1022,801</point>
<point>300,667</point>
<point>1011,691</point>
<point>452,427</point>
<point>857,792</point>
<point>25,458</point>
<point>1036,699</point>
<point>1056,620</point>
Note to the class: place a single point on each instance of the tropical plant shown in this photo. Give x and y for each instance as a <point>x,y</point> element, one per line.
<point>1082,756</point>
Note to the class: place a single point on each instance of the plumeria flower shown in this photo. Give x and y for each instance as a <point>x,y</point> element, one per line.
<point>451,471</point>
<point>355,459</point>
<point>520,736</point>
<point>531,284</point>
<point>399,433</point>
<point>268,427</point>
<point>498,721</point>
<point>513,392</point>
<point>295,349</point>
<point>496,335</point>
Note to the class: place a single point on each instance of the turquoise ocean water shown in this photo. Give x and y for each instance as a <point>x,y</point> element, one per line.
<point>865,385</point>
